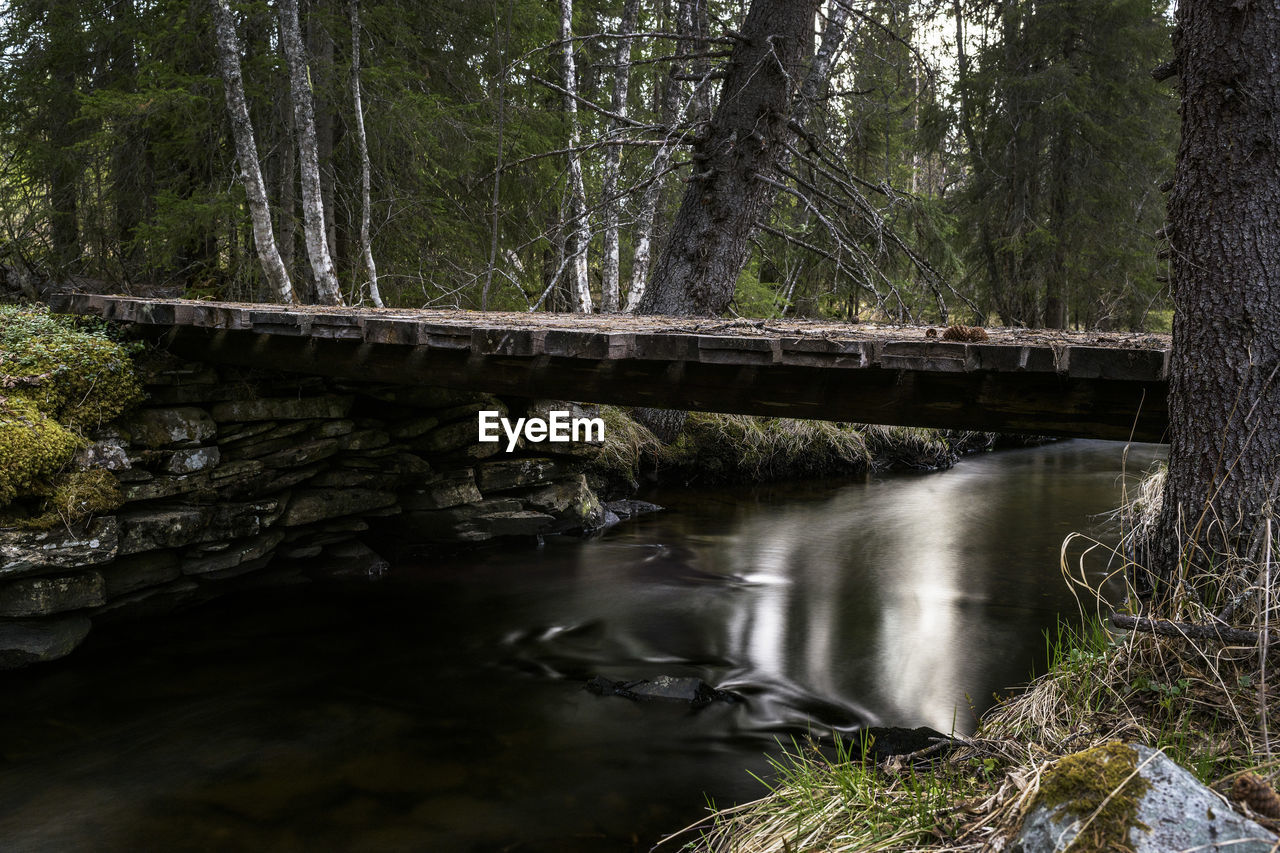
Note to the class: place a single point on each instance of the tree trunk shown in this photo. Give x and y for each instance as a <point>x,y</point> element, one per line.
<point>668,108</point>
<point>579,231</point>
<point>1224,219</point>
<point>610,202</point>
<point>366,247</point>
<point>734,163</point>
<point>313,224</point>
<point>247,153</point>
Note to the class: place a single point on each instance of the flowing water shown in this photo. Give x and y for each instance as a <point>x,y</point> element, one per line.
<point>442,709</point>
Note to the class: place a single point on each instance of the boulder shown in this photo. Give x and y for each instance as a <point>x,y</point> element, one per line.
<point>310,505</point>
<point>237,553</point>
<point>449,489</point>
<point>665,688</point>
<point>140,571</point>
<point>152,601</point>
<point>522,522</point>
<point>413,427</point>
<point>571,501</point>
<point>503,474</point>
<point>43,596</point>
<point>175,527</point>
<point>625,509</point>
<point>166,486</point>
<point>183,426</point>
<point>26,551</point>
<point>350,560</point>
<point>193,459</point>
<point>456,437</point>
<point>1161,807</point>
<point>327,406</point>
<point>28,641</point>
<point>109,453</point>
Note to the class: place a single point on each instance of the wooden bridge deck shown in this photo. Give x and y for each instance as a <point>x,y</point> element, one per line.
<point>1050,383</point>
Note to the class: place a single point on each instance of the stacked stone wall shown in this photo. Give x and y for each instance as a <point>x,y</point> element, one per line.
<point>235,478</point>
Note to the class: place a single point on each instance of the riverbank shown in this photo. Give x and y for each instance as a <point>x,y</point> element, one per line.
<point>1204,702</point>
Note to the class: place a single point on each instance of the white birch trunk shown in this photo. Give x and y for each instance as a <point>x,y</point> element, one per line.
<point>247,154</point>
<point>579,231</point>
<point>366,247</point>
<point>313,224</point>
<point>610,203</point>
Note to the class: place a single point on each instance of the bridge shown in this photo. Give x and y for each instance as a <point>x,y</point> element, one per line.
<point>1091,385</point>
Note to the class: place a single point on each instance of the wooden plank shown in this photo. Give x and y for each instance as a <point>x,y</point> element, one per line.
<point>1030,402</point>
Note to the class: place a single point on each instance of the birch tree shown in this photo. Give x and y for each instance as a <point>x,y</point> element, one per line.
<point>247,154</point>
<point>366,249</point>
<point>579,230</point>
<point>611,201</point>
<point>313,224</point>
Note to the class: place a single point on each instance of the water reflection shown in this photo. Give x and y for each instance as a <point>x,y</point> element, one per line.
<point>443,710</point>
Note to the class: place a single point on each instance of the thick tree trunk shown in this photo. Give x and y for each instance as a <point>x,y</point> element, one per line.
<point>247,153</point>
<point>735,163</point>
<point>579,231</point>
<point>1224,218</point>
<point>366,246</point>
<point>610,202</point>
<point>313,223</point>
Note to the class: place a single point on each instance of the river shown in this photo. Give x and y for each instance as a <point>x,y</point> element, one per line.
<point>442,708</point>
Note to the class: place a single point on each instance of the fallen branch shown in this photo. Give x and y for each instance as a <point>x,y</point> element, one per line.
<point>1191,630</point>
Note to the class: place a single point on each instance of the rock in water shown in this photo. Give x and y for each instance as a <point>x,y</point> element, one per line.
<point>693,691</point>
<point>881,742</point>
<point>1160,807</point>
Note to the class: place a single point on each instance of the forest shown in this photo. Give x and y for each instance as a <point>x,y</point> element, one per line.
<point>983,161</point>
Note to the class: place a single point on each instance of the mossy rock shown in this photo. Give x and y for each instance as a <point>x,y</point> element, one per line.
<point>1129,797</point>
<point>58,378</point>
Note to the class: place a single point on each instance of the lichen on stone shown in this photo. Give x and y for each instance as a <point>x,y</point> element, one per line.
<point>58,379</point>
<point>1080,784</point>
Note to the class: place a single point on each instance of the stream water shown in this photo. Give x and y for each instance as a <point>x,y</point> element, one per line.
<point>442,708</point>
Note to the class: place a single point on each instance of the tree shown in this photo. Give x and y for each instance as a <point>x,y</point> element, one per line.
<point>313,217</point>
<point>366,247</point>
<point>1065,136</point>
<point>1224,224</point>
<point>579,229</point>
<point>735,160</point>
<point>247,153</point>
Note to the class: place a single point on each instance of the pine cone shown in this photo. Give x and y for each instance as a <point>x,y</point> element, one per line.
<point>1255,793</point>
<point>970,334</point>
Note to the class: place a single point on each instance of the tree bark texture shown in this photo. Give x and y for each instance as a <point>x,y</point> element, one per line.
<point>247,154</point>
<point>734,162</point>
<point>578,231</point>
<point>366,246</point>
<point>611,203</point>
<point>1224,223</point>
<point>313,221</point>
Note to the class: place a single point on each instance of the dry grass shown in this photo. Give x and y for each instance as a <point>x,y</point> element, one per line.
<point>1210,705</point>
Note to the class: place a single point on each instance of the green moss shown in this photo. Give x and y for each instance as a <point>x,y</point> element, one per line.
<point>58,378</point>
<point>1082,782</point>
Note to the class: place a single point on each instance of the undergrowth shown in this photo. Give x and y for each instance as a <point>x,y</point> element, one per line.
<point>737,448</point>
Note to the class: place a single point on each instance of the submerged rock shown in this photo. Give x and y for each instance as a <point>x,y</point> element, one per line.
<point>1151,805</point>
<point>667,688</point>
<point>24,642</point>
<point>624,509</point>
